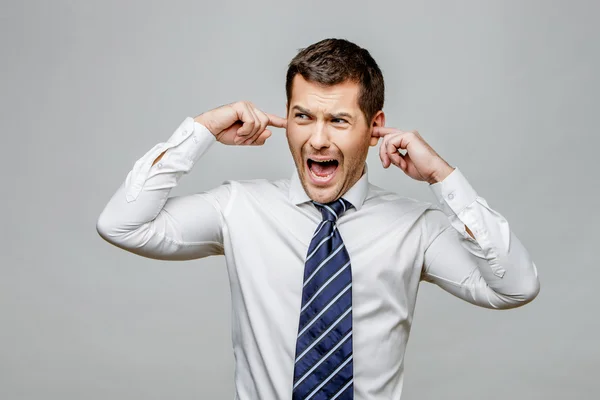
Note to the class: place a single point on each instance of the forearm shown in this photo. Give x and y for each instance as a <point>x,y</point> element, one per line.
<point>159,157</point>
<point>470,277</point>
<point>135,217</point>
<point>490,266</point>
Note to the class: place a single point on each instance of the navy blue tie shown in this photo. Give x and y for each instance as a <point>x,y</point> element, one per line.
<point>323,365</point>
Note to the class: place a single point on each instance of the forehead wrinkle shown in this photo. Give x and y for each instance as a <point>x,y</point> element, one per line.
<point>329,100</point>
<point>337,114</point>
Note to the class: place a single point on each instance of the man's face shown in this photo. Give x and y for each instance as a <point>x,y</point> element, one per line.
<point>328,136</point>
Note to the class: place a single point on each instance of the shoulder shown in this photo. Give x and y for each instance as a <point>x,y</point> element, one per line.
<point>260,190</point>
<point>245,195</point>
<point>259,185</point>
<point>396,204</point>
<point>402,208</point>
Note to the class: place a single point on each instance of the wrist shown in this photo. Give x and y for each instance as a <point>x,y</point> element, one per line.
<point>203,120</point>
<point>441,173</point>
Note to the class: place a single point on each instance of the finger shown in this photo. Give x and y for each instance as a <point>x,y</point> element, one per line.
<point>256,128</point>
<point>383,156</point>
<point>390,149</point>
<point>381,131</point>
<point>400,141</point>
<point>276,121</point>
<point>263,122</point>
<point>395,151</point>
<point>403,162</point>
<point>397,159</point>
<point>262,138</point>
<point>243,116</point>
<point>259,140</point>
<point>390,146</point>
<point>248,119</point>
<point>250,140</point>
<point>253,134</point>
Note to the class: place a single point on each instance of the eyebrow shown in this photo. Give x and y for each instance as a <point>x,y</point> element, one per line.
<point>330,115</point>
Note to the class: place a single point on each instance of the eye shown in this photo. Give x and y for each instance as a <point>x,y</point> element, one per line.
<point>339,121</point>
<point>301,116</point>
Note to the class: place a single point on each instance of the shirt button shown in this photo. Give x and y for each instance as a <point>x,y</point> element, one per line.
<point>159,165</point>
<point>451,196</point>
<point>195,139</point>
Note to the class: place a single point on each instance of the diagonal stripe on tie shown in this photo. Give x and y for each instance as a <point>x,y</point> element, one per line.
<point>323,367</point>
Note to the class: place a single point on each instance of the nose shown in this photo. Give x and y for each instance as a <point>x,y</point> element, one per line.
<point>320,137</point>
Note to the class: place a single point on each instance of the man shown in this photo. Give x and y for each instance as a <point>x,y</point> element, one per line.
<point>324,267</point>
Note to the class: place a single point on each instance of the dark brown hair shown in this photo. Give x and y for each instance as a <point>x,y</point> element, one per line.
<point>333,61</point>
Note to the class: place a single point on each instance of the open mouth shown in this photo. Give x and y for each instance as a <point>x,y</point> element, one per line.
<point>322,170</point>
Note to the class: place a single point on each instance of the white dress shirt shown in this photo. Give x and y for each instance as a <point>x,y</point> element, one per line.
<point>263,228</point>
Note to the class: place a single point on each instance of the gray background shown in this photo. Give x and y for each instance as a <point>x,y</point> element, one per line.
<point>506,90</point>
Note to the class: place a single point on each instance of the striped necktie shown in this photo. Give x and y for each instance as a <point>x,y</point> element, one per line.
<point>323,365</point>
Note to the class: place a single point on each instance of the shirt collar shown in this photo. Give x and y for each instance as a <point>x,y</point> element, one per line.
<point>356,195</point>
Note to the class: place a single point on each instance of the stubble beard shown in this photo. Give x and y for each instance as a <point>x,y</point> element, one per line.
<point>352,174</point>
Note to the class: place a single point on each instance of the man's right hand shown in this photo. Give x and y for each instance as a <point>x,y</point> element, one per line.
<point>240,123</point>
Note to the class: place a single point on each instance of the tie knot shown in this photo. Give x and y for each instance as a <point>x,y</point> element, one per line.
<point>332,211</point>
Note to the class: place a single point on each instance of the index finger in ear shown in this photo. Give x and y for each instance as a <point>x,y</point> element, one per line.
<point>276,121</point>
<point>381,131</point>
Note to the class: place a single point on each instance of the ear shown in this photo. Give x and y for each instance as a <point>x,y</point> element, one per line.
<point>378,120</point>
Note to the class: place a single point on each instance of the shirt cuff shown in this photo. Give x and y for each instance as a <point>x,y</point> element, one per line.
<point>454,193</point>
<point>191,140</point>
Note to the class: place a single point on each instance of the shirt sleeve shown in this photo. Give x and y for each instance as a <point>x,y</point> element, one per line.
<point>492,270</point>
<point>142,218</point>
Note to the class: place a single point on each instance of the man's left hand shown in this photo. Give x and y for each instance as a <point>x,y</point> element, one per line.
<point>420,161</point>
